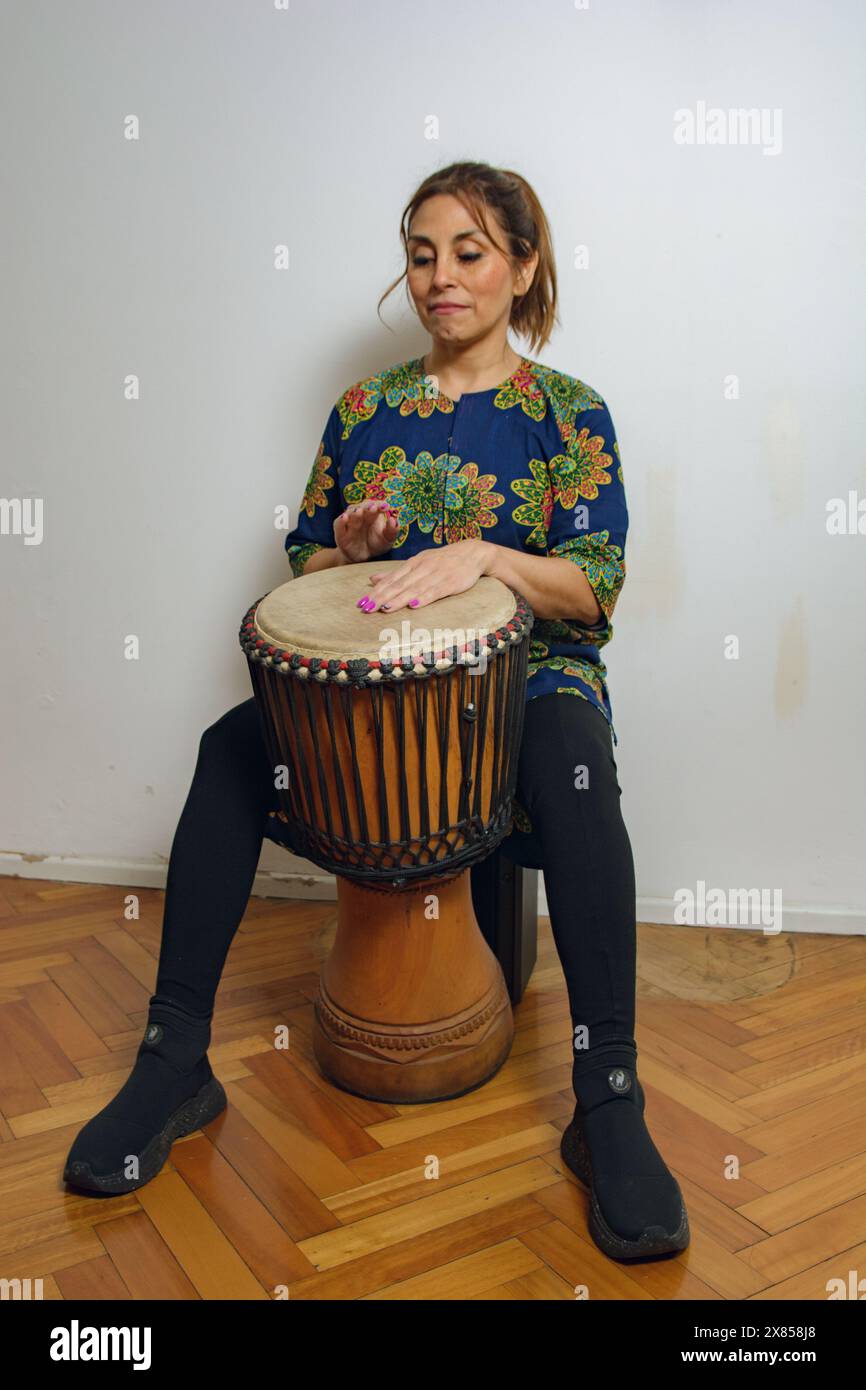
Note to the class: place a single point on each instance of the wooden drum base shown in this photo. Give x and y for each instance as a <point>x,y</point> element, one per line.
<point>412,1005</point>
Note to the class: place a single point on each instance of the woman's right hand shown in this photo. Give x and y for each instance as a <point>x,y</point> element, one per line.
<point>366,530</point>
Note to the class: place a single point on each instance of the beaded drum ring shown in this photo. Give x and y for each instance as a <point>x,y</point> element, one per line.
<point>362,671</point>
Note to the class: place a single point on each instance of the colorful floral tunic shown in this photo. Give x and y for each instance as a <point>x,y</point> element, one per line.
<point>532,464</point>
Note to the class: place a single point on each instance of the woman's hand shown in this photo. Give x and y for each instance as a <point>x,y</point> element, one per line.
<point>429,575</point>
<point>366,530</point>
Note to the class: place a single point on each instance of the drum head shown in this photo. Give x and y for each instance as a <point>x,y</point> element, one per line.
<point>317,617</point>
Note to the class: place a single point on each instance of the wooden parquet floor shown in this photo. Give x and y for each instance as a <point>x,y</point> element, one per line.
<point>750,1053</point>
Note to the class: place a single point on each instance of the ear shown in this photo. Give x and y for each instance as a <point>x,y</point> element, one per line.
<point>525,274</point>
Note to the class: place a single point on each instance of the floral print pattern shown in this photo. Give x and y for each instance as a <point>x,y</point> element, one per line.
<point>602,563</point>
<point>532,464</point>
<point>315,493</point>
<point>537,509</point>
<point>580,472</point>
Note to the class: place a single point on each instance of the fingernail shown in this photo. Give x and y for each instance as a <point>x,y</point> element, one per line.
<point>361,602</point>
<point>413,602</point>
<point>369,605</point>
<point>386,607</point>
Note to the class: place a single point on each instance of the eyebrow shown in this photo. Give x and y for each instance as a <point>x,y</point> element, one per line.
<point>458,236</point>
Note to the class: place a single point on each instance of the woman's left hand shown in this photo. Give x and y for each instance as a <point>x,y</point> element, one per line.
<point>429,575</point>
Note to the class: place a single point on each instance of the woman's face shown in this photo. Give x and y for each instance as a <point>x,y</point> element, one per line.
<point>461,286</point>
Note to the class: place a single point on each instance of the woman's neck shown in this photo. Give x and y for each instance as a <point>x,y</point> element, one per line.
<point>470,370</point>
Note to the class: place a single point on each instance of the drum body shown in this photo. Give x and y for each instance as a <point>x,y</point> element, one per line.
<point>394,741</point>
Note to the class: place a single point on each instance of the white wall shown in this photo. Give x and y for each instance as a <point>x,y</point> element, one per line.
<point>307,127</point>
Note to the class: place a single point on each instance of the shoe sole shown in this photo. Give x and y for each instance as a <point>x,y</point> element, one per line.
<point>194,1114</point>
<point>653,1241</point>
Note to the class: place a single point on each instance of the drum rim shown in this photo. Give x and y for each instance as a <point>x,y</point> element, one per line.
<point>362,671</point>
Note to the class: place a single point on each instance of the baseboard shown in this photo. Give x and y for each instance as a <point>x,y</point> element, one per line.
<point>829,921</point>
<point>303,881</point>
<point>289,877</point>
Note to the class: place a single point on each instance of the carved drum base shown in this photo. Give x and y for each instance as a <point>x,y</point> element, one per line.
<point>412,1002</point>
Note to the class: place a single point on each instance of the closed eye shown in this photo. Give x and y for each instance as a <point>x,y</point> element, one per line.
<point>464,256</point>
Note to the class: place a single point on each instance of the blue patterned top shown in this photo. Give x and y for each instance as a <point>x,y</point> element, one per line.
<point>532,464</point>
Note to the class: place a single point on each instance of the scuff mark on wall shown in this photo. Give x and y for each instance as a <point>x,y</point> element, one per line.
<point>651,549</point>
<point>792,664</point>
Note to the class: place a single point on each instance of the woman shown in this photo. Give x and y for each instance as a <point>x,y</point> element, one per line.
<point>472,460</point>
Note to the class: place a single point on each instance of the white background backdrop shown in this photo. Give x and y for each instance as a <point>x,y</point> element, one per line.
<point>308,127</point>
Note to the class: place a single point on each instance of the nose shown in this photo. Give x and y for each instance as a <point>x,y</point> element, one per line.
<point>444,275</point>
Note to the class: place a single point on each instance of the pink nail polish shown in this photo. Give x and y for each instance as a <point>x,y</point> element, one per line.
<point>413,602</point>
<point>360,603</point>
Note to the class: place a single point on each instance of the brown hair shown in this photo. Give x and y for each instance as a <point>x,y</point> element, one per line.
<point>522,219</point>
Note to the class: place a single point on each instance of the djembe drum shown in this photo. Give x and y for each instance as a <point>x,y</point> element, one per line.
<point>395,740</point>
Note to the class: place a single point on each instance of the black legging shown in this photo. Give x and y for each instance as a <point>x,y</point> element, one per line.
<point>578,839</point>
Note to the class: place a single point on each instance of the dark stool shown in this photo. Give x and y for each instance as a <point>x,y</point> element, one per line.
<point>505,898</point>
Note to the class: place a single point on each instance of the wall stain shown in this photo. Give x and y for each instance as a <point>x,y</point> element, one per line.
<point>792,663</point>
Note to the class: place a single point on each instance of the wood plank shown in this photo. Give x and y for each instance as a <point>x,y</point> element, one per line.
<point>470,1277</point>
<point>203,1252</point>
<point>425,1214</point>
<point>381,1268</point>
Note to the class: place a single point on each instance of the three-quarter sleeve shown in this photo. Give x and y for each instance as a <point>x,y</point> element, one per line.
<point>321,503</point>
<point>588,513</point>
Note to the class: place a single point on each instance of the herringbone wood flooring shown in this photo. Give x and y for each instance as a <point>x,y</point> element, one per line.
<point>750,1052</point>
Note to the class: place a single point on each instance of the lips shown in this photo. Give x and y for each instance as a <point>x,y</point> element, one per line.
<point>447,308</point>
